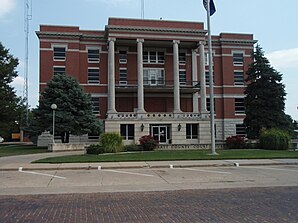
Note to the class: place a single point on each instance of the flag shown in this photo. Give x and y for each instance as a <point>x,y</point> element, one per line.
<point>212,6</point>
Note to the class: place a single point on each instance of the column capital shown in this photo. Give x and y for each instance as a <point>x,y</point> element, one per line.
<point>111,39</point>
<point>176,41</point>
<point>202,43</point>
<point>194,50</point>
<point>140,40</point>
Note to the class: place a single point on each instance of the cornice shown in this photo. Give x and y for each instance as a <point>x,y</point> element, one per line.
<point>68,35</point>
<point>154,29</point>
<point>237,41</point>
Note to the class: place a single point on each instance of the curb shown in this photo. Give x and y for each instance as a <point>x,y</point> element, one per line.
<point>98,167</point>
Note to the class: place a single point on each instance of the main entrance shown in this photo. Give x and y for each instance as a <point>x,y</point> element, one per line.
<point>160,133</point>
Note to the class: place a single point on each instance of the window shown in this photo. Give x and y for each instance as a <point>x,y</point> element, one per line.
<point>191,131</point>
<point>182,58</point>
<point>123,76</point>
<point>240,130</point>
<point>238,78</point>
<point>206,59</point>
<point>208,104</point>
<point>93,75</point>
<point>122,56</point>
<point>59,53</point>
<point>127,131</point>
<point>153,57</point>
<point>182,77</point>
<point>239,106</point>
<point>207,78</point>
<point>238,58</point>
<point>93,55</point>
<point>95,104</point>
<point>154,77</point>
<point>59,70</point>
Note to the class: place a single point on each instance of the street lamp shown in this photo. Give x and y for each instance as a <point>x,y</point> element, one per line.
<point>54,107</point>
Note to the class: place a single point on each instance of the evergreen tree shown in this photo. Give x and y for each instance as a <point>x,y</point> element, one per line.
<point>74,113</point>
<point>265,97</point>
<point>10,105</point>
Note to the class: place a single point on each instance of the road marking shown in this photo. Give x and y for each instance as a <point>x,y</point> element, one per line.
<point>124,172</point>
<point>269,168</point>
<point>42,174</point>
<point>208,171</point>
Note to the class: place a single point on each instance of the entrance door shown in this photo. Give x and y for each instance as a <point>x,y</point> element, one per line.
<point>160,133</point>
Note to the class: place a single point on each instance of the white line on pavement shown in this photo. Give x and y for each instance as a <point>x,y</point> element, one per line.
<point>208,171</point>
<point>42,174</point>
<point>269,168</point>
<point>124,172</point>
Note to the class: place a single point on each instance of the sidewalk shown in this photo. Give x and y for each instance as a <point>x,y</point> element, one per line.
<point>13,163</point>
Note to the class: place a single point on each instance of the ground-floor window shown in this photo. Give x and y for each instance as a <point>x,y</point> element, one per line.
<point>191,131</point>
<point>127,131</point>
<point>240,130</point>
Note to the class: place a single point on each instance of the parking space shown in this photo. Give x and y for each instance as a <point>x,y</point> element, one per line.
<point>147,179</point>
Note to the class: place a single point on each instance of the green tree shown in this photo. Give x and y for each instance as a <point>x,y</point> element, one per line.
<point>74,113</point>
<point>265,97</point>
<point>11,106</point>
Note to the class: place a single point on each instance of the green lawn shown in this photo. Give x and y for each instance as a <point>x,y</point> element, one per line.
<point>14,150</point>
<point>172,155</point>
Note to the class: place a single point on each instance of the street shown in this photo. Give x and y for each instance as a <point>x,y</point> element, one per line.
<point>274,204</point>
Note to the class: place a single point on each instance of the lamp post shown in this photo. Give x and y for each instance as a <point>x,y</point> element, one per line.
<point>54,107</point>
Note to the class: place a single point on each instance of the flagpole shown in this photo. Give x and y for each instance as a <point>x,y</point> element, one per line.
<point>211,87</point>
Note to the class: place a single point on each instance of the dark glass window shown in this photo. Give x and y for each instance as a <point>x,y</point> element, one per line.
<point>182,58</point>
<point>191,131</point>
<point>95,104</point>
<point>93,75</point>
<point>93,55</point>
<point>59,70</point>
<point>238,78</point>
<point>122,57</point>
<point>127,131</point>
<point>123,77</point>
<point>59,53</point>
<point>238,58</point>
<point>239,106</point>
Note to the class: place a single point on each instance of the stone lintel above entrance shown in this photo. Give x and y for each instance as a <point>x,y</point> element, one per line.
<point>155,116</point>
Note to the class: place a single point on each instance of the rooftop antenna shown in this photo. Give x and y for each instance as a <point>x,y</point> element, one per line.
<point>27,18</point>
<point>142,9</point>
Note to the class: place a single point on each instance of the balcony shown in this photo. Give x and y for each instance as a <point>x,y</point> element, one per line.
<point>155,116</point>
<point>154,85</point>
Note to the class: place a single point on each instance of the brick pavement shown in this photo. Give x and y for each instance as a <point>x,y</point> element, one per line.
<point>254,205</point>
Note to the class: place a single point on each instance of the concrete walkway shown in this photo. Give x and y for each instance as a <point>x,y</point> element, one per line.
<point>13,163</point>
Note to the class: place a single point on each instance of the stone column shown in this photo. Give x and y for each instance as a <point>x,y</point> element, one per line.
<point>202,79</point>
<point>140,77</point>
<point>176,76</point>
<point>111,74</point>
<point>195,103</point>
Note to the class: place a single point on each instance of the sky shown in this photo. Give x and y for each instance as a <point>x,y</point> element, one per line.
<point>273,23</point>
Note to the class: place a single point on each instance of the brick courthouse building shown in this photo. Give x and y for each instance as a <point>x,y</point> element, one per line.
<point>151,76</point>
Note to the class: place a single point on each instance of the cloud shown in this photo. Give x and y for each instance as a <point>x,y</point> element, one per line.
<point>6,7</point>
<point>284,59</point>
<point>18,81</point>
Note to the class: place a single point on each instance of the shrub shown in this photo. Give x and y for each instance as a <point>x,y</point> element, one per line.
<point>95,149</point>
<point>133,147</point>
<point>148,143</point>
<point>235,142</point>
<point>275,139</point>
<point>111,142</point>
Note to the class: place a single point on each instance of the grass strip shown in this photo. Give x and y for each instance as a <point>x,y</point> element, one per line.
<point>173,155</point>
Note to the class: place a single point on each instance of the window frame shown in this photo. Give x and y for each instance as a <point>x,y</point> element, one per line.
<point>237,62</point>
<point>122,60</point>
<point>127,131</point>
<point>237,77</point>
<point>182,58</point>
<point>95,105</point>
<point>57,72</point>
<point>192,131</point>
<point>153,57</point>
<point>183,83</point>
<point>239,106</point>
<point>92,60</point>
<point>62,56</point>
<point>122,82</point>
<point>159,80</point>
<point>90,81</point>
<point>240,128</point>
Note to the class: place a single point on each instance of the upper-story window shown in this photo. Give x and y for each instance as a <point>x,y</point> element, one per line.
<point>122,56</point>
<point>153,57</point>
<point>123,76</point>
<point>93,76</point>
<point>93,55</point>
<point>208,105</point>
<point>59,53</point>
<point>154,76</point>
<point>182,58</point>
<point>239,106</point>
<point>207,78</point>
<point>238,58</point>
<point>182,77</point>
<point>238,77</point>
<point>58,70</point>
<point>95,104</point>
